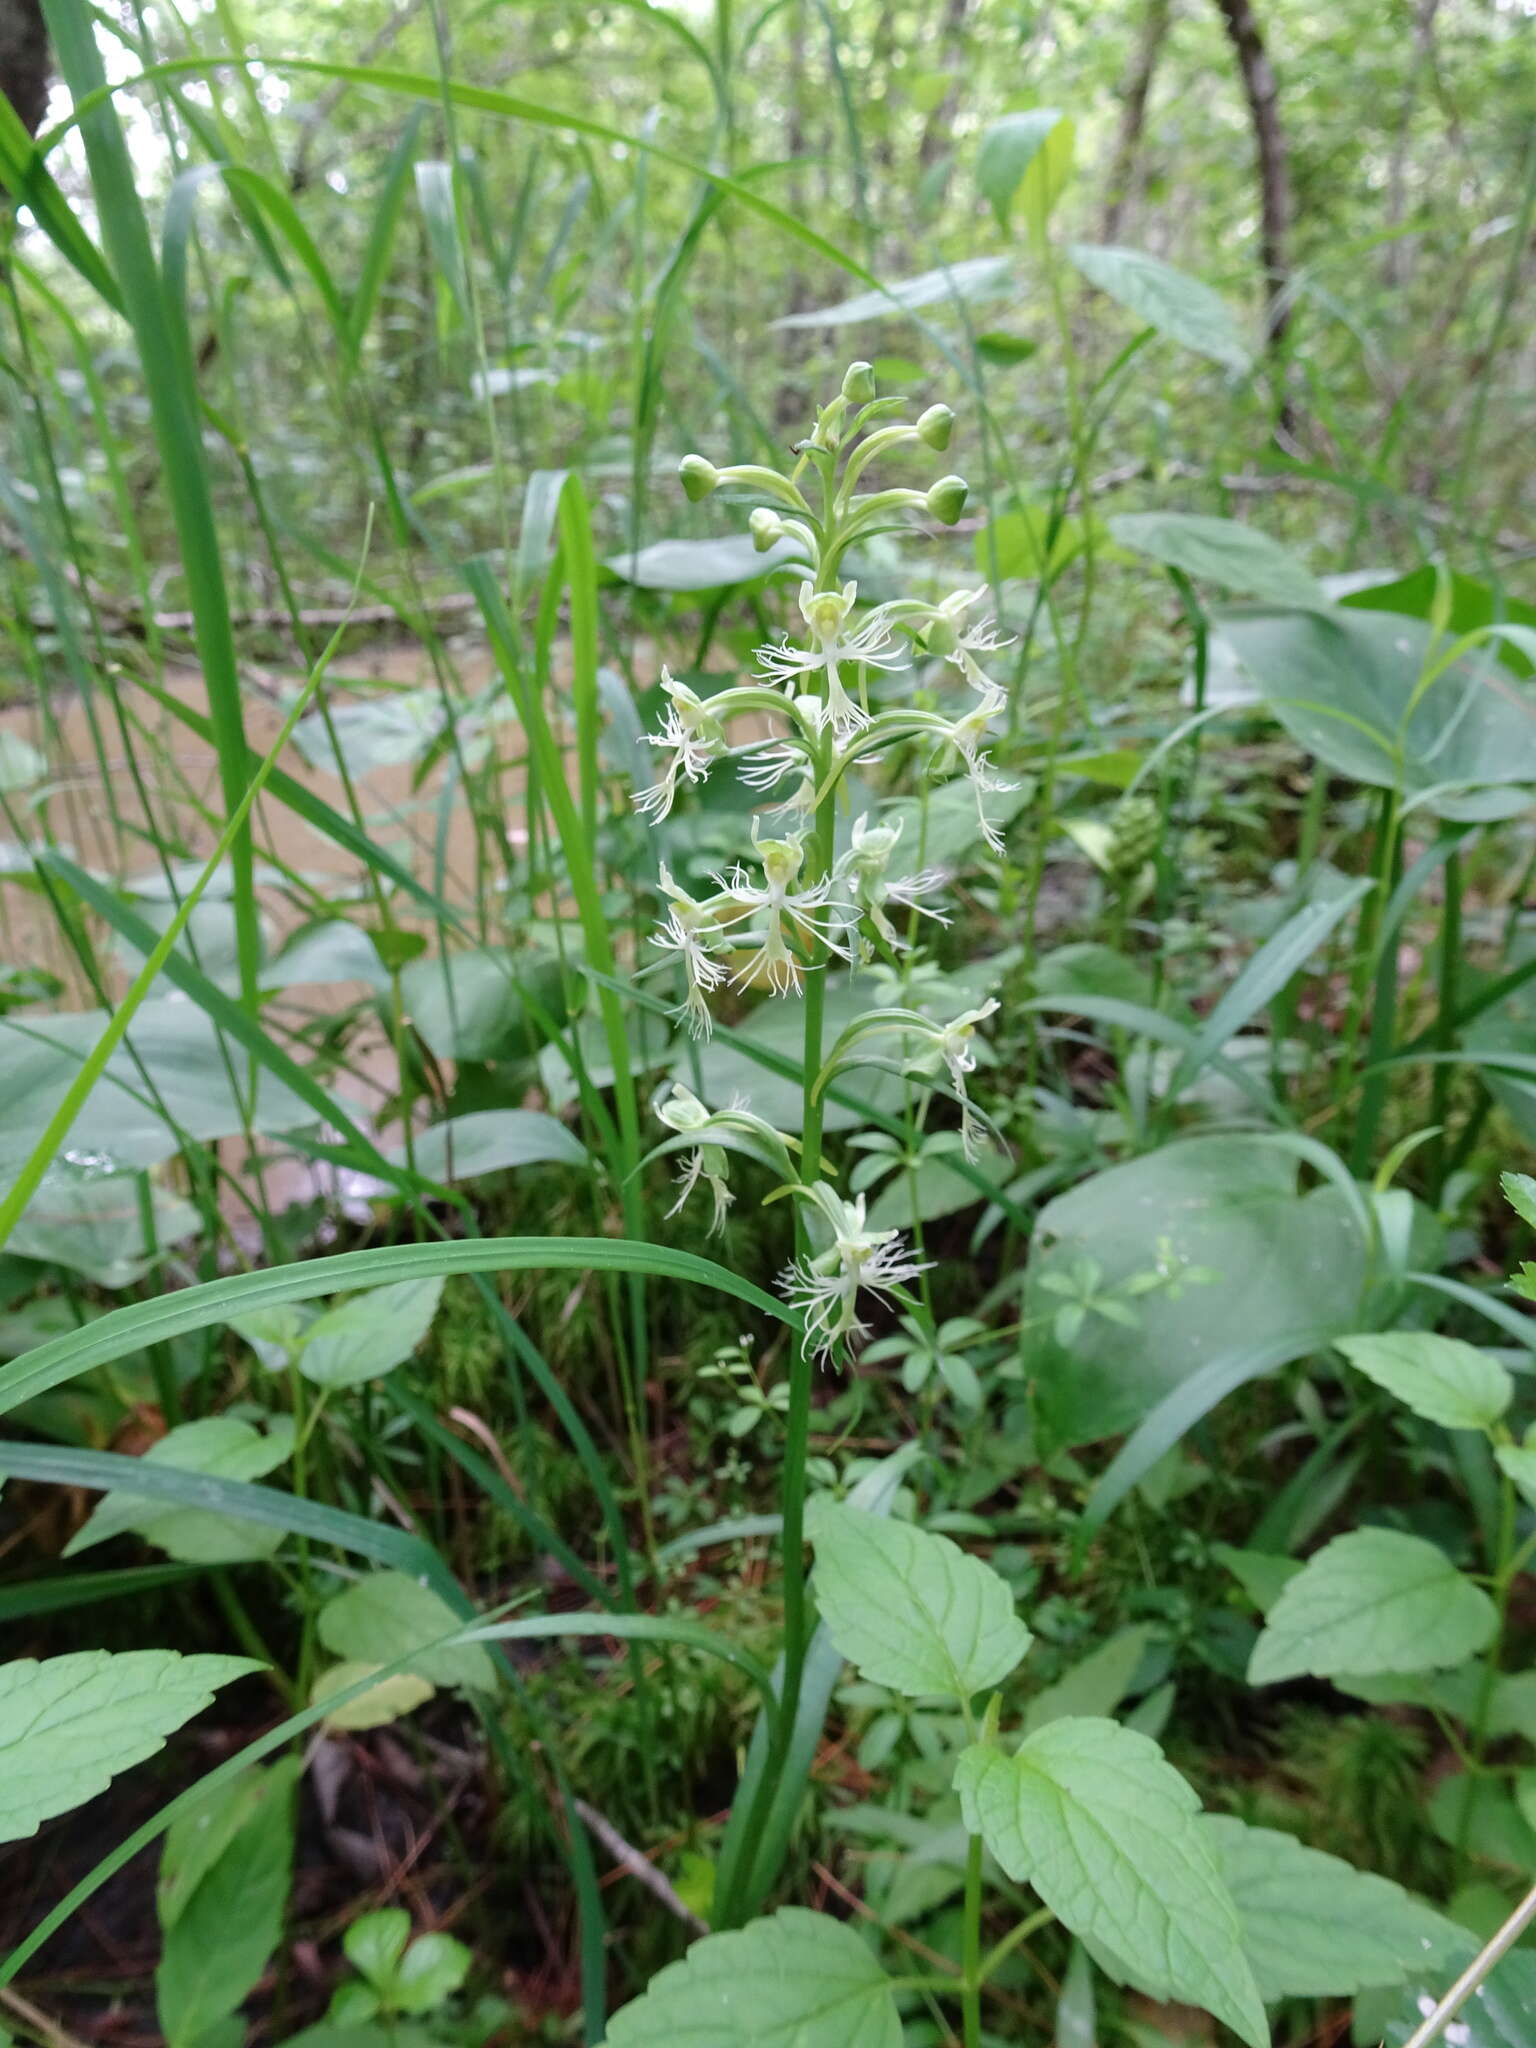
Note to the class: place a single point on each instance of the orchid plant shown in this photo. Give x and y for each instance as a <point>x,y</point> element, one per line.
<point>815,896</point>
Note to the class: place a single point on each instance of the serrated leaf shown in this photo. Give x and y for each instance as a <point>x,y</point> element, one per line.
<point>385,1616</point>
<point>1221,551</point>
<point>69,1724</point>
<point>370,1334</point>
<point>911,1609</point>
<point>1373,1601</point>
<point>222,1446</point>
<point>1181,307</point>
<point>401,1693</point>
<point>1095,1818</point>
<point>1313,1926</point>
<point>1440,1378</point>
<point>1520,1193</point>
<point>794,1980</point>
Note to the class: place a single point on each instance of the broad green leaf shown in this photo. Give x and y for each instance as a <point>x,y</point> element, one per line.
<point>1095,1818</point>
<point>230,1919</point>
<point>1026,157</point>
<point>1440,1378</point>
<point>221,1446</point>
<point>688,565</point>
<point>1314,1927</point>
<point>275,1334</point>
<point>1460,604</point>
<point>1518,1461</point>
<point>1191,1255</point>
<point>975,277</point>
<point>1238,558</point>
<point>385,1616</point>
<point>1180,307</point>
<point>431,1970</point>
<point>370,1334</point>
<point>122,1127</point>
<point>1479,1814</point>
<point>95,1223</point>
<point>1262,1577</point>
<point>794,1980</point>
<point>1024,541</point>
<point>69,1724</point>
<point>1096,1684</point>
<point>399,1694</point>
<point>1502,2013</point>
<point>375,1943</point>
<point>1346,686</point>
<point>1520,1193</point>
<point>1372,1601</point>
<point>911,1610</point>
<point>468,1005</point>
<point>489,1141</point>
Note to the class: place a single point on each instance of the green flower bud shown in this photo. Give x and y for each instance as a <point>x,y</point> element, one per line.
<point>946,499</point>
<point>935,426</point>
<point>942,636</point>
<point>859,384</point>
<point>699,476</point>
<point>766,527</point>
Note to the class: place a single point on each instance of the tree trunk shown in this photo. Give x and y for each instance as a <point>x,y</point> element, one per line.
<point>1134,94</point>
<point>1274,171</point>
<point>24,60</point>
<point>939,125</point>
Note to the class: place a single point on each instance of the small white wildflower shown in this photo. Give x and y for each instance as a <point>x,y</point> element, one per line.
<point>956,1047</point>
<point>683,1113</point>
<point>826,614</point>
<point>787,912</point>
<point>690,930</point>
<point>825,1287</point>
<point>694,735</point>
<point>966,736</point>
<point>865,865</point>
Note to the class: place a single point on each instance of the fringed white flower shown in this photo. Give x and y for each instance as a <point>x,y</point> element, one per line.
<point>966,735</point>
<point>825,1287</point>
<point>683,1113</point>
<point>689,932</point>
<point>786,913</point>
<point>825,613</point>
<point>876,892</point>
<point>693,734</point>
<point>956,1048</point>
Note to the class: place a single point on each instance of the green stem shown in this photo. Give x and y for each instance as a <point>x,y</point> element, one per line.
<point>1505,1563</point>
<point>970,1990</point>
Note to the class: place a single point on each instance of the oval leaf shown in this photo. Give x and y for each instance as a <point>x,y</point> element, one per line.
<point>1369,1602</point>
<point>1095,1818</point>
<point>1440,1378</point>
<point>1221,551</point>
<point>68,1725</point>
<point>796,1980</point>
<point>912,1610</point>
<point>1313,1927</point>
<point>1181,307</point>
